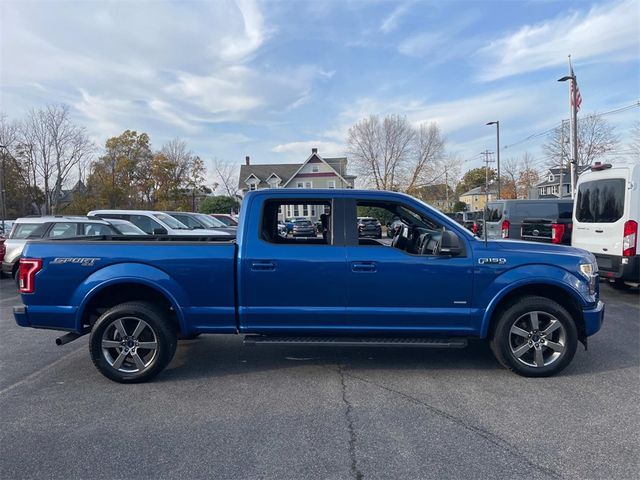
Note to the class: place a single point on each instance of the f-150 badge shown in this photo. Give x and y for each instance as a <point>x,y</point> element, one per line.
<point>82,261</point>
<point>492,261</point>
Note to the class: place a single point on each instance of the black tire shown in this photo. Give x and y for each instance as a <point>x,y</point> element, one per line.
<point>506,344</point>
<point>158,328</point>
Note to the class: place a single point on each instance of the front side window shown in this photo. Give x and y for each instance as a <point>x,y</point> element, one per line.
<point>144,223</point>
<point>600,201</point>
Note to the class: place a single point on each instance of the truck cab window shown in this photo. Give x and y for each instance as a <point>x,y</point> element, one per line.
<point>310,223</point>
<point>397,226</point>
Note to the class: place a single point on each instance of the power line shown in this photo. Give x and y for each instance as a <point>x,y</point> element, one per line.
<point>546,132</point>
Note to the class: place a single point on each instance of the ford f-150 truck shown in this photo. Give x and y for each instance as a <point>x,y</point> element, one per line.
<point>433,285</point>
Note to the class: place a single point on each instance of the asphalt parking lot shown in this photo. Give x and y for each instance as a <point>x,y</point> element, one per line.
<point>225,411</point>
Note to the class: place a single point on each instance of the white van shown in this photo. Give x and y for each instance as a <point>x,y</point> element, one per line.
<point>154,223</point>
<point>605,220</point>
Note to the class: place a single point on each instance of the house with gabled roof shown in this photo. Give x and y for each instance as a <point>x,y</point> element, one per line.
<point>315,172</point>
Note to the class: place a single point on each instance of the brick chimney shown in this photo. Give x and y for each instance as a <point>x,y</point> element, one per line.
<point>247,160</point>
<point>314,150</point>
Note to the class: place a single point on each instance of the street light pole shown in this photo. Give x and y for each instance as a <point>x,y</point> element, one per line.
<point>497,124</point>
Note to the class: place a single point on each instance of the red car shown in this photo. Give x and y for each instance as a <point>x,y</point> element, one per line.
<point>228,220</point>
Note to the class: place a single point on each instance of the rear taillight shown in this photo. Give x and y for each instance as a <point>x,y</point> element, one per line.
<point>505,228</point>
<point>557,232</point>
<point>27,273</point>
<point>475,228</point>
<point>3,250</point>
<point>630,238</point>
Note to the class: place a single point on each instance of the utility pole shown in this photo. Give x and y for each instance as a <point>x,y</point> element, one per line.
<point>497,124</point>
<point>446,184</point>
<point>573,107</point>
<point>486,154</point>
<point>561,159</point>
<point>3,187</point>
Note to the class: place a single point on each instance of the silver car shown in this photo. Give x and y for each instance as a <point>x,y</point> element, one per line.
<point>29,228</point>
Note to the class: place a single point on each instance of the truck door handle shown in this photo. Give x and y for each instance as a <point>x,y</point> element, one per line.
<point>599,231</point>
<point>363,266</point>
<point>262,266</point>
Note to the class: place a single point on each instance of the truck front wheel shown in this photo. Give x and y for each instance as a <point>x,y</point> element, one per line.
<point>535,337</point>
<point>132,342</point>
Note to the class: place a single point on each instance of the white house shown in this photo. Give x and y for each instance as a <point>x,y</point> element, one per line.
<point>314,172</point>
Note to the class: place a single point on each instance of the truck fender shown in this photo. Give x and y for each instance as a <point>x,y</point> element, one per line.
<point>130,273</point>
<point>525,275</point>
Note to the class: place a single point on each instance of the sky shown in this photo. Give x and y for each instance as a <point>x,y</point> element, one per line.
<point>274,79</point>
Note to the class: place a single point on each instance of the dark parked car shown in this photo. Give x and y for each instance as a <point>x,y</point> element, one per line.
<point>304,228</point>
<point>228,220</point>
<point>505,217</point>
<point>470,220</point>
<point>369,227</point>
<point>555,228</point>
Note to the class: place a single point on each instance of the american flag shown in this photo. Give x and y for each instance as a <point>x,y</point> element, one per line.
<point>578,96</point>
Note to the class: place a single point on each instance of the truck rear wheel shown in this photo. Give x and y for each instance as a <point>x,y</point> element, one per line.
<point>132,342</point>
<point>535,337</point>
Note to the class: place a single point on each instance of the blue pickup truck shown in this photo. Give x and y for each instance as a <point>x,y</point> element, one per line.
<point>433,285</point>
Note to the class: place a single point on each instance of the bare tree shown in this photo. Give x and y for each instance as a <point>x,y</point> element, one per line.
<point>390,154</point>
<point>634,144</point>
<point>511,168</point>
<point>379,149</point>
<point>52,148</point>
<point>226,176</point>
<point>528,176</point>
<point>428,160</point>
<point>596,137</point>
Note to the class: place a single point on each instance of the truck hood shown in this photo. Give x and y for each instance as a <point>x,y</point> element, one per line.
<point>535,248</point>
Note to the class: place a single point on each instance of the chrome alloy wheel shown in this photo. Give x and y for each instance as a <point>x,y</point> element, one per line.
<point>129,352</point>
<point>537,339</point>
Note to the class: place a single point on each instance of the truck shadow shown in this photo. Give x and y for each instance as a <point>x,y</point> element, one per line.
<point>217,355</point>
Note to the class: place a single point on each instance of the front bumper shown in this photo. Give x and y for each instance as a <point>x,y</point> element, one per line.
<point>593,318</point>
<point>616,267</point>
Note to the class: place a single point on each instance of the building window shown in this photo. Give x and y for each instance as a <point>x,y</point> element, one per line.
<point>315,169</point>
<point>308,185</point>
<point>300,185</point>
<point>253,186</point>
<point>551,177</point>
<point>331,184</point>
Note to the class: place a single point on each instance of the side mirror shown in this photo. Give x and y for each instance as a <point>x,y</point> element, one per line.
<point>449,244</point>
<point>160,231</point>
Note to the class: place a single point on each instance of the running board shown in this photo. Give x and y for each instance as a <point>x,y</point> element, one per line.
<point>343,341</point>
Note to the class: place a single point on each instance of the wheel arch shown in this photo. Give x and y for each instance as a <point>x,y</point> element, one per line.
<point>555,291</point>
<point>110,294</point>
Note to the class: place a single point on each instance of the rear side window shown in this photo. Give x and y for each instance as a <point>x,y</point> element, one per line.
<point>96,229</point>
<point>494,212</point>
<point>25,230</point>
<point>600,201</point>
<point>63,230</point>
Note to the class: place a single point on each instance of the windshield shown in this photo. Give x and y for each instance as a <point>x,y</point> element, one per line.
<point>210,222</point>
<point>302,223</point>
<point>170,221</point>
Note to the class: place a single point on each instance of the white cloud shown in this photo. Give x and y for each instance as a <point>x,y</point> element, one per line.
<point>390,23</point>
<point>610,28</point>
<point>237,47</point>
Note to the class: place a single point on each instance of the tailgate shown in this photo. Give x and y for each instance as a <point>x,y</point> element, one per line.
<point>536,230</point>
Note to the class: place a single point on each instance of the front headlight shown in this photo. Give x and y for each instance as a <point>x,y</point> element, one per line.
<point>590,270</point>
<point>587,269</point>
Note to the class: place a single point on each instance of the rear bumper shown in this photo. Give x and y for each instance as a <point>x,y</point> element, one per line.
<point>616,267</point>
<point>7,268</point>
<point>53,318</point>
<point>593,318</point>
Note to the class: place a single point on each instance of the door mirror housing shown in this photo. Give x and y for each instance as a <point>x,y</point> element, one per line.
<point>160,231</point>
<point>450,244</point>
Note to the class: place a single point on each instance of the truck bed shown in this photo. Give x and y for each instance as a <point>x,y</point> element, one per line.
<point>195,272</point>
